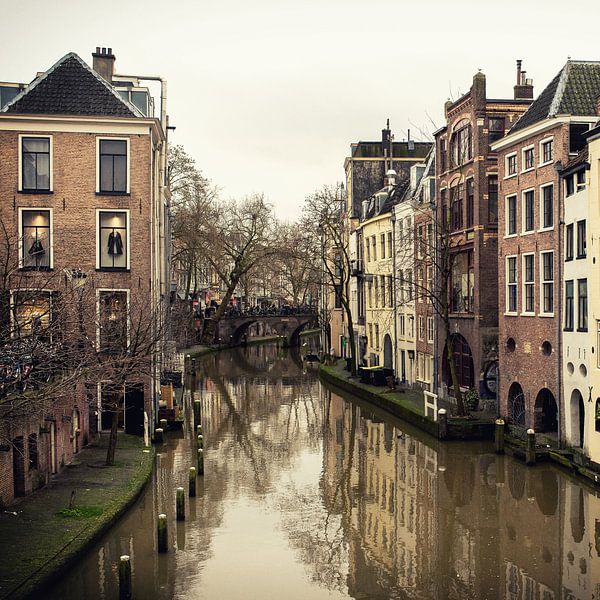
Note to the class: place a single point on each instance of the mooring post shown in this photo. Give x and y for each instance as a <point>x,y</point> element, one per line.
<point>200,440</point>
<point>443,423</point>
<point>192,482</point>
<point>530,451</point>
<point>158,436</point>
<point>162,533</point>
<point>163,425</point>
<point>197,409</point>
<point>200,461</point>
<point>125,591</point>
<point>180,503</point>
<point>198,429</point>
<point>499,436</point>
<point>193,364</point>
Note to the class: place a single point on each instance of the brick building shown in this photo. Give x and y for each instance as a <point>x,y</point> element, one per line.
<point>530,159</point>
<point>467,217</point>
<point>83,191</point>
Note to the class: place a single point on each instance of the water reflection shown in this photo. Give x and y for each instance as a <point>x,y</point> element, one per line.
<point>309,495</point>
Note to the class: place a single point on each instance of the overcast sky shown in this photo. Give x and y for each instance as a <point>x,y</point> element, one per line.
<point>267,95</point>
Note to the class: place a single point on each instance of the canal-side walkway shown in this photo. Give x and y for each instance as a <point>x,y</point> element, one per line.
<point>45,535</point>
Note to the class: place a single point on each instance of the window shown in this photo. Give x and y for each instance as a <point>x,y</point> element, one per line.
<point>113,166</point>
<point>36,239</point>
<point>420,241</point>
<point>495,128</point>
<point>511,284</point>
<point>32,446</point>
<point>547,208</point>
<point>528,210</point>
<point>402,326</point>
<point>569,242</point>
<point>528,158</point>
<point>576,140</point>
<point>401,279</point>
<point>430,331</point>
<point>445,216</point>
<point>547,269</point>
<point>569,305</point>
<point>32,312</point>
<point>368,248</point>
<point>581,242</point>
<point>470,194</point>
<point>421,328</point>
<point>374,246</point>
<point>411,326</point>
<point>580,180</point>
<point>511,215</point>
<point>456,202</point>
<point>582,305</point>
<point>36,164</point>
<point>511,165</point>
<point>569,185</point>
<point>528,283</point>
<point>113,239</point>
<point>390,292</point>
<point>462,282</point>
<point>376,291</point>
<point>337,291</point>
<point>461,145</point>
<point>370,295</point>
<point>492,198</point>
<point>547,151</point>
<point>376,336</point>
<point>113,321</point>
<point>382,242</point>
<point>443,155</point>
<point>389,244</point>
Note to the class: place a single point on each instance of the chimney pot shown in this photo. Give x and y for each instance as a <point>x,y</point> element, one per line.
<point>97,49</point>
<point>104,63</point>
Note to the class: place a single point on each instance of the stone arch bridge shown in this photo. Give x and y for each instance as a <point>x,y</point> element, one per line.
<point>235,330</point>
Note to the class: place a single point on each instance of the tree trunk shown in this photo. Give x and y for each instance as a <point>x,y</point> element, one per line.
<point>460,405</point>
<point>112,440</point>
<point>351,340</point>
<point>211,325</point>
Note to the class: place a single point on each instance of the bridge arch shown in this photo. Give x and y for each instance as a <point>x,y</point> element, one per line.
<point>294,338</point>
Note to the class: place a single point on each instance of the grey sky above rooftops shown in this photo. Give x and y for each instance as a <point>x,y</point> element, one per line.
<point>268,95</point>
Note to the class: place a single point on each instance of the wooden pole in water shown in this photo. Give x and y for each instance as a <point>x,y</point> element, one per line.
<point>125,590</point>
<point>163,424</point>
<point>163,540</point>
<point>192,482</point>
<point>530,451</point>
<point>200,461</point>
<point>499,436</point>
<point>200,439</point>
<point>199,430</point>
<point>197,412</point>
<point>443,423</point>
<point>158,436</point>
<point>180,503</point>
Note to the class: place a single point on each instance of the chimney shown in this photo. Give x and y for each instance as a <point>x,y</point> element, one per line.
<point>524,87</point>
<point>104,62</point>
<point>478,91</point>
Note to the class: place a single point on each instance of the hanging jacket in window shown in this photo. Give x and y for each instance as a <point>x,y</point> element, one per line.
<point>37,249</point>
<point>115,244</point>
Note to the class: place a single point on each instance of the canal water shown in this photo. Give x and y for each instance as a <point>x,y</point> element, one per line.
<point>310,495</point>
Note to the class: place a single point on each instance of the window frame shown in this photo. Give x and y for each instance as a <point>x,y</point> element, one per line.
<point>99,266</point>
<point>547,140</point>
<point>582,314</point>
<point>569,318</point>
<point>507,202</point>
<point>99,292</point>
<point>20,187</point>
<point>430,330</point>
<point>524,151</point>
<point>21,246</point>
<point>507,172</point>
<point>569,242</point>
<point>546,282</point>
<point>127,191</point>
<point>581,244</point>
<point>524,193</point>
<point>528,284</point>
<point>542,199</point>
<point>510,284</point>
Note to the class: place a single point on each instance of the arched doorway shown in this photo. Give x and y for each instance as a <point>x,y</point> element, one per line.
<point>516,404</point>
<point>546,412</point>
<point>463,362</point>
<point>577,414</point>
<point>387,352</point>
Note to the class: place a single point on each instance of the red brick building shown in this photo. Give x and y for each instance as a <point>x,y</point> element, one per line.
<point>82,191</point>
<point>467,216</point>
<point>530,159</point>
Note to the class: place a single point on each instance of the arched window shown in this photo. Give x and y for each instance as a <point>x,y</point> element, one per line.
<point>461,145</point>
<point>516,404</point>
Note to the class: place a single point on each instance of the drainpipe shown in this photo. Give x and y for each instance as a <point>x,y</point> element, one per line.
<point>394,292</point>
<point>558,167</point>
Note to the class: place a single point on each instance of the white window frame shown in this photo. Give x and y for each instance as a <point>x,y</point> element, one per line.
<point>523,214</point>
<point>113,139</point>
<point>20,152</point>
<point>422,333</point>
<point>128,223</point>
<point>508,284</point>
<point>14,291</point>
<point>23,209</point>
<point>525,283</point>
<point>99,291</point>
<point>541,151</point>
<point>430,330</point>
<point>508,175</point>
<point>543,282</point>
<point>506,216</point>
<point>541,206</point>
<point>523,151</point>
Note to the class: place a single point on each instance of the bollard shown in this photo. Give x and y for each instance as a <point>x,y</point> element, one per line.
<point>443,423</point>
<point>200,461</point>
<point>180,504</point>
<point>197,409</point>
<point>530,451</point>
<point>125,592</point>
<point>199,430</point>
<point>158,436</point>
<point>499,436</point>
<point>200,440</point>
<point>163,540</point>
<point>193,364</point>
<point>192,482</point>
<point>163,425</point>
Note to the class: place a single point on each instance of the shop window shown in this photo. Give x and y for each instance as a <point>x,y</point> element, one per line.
<point>113,168</point>
<point>36,237</point>
<point>113,321</point>
<point>36,164</point>
<point>113,239</point>
<point>32,312</point>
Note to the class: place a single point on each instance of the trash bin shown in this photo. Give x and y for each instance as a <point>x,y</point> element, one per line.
<point>349,364</point>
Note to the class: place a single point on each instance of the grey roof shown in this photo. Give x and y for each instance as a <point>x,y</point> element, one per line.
<point>71,87</point>
<point>573,91</point>
<point>392,195</point>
